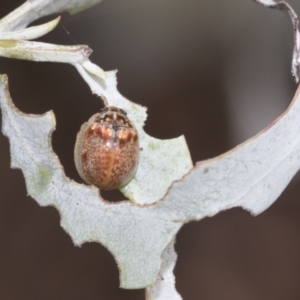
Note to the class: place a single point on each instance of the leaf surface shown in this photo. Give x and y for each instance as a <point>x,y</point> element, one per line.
<point>123,228</point>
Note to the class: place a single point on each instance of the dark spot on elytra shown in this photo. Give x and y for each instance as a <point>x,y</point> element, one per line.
<point>122,141</point>
<point>88,133</point>
<point>129,136</point>
<point>84,156</point>
<point>99,131</point>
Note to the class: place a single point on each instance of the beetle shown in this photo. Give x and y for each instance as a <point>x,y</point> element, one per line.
<point>107,149</point>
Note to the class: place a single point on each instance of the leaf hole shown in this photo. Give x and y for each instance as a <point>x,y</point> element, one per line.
<point>113,196</point>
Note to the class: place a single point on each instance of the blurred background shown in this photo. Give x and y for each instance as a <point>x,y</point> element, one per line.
<point>217,72</point>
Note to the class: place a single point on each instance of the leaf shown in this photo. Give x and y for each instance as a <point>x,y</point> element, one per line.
<point>141,235</point>
<point>284,6</point>
<point>252,175</point>
<point>32,10</point>
<point>31,33</point>
<point>38,51</point>
<point>161,161</point>
<point>14,44</point>
<point>164,287</point>
<point>123,228</point>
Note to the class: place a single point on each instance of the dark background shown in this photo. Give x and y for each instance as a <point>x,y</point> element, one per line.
<point>215,71</point>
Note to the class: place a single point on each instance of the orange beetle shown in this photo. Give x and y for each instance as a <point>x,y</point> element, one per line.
<point>107,149</point>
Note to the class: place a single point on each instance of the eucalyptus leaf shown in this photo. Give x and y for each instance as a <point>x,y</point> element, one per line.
<point>161,161</point>
<point>284,6</point>
<point>135,235</point>
<point>167,190</point>
<point>33,10</point>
